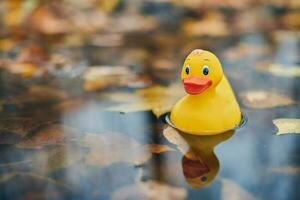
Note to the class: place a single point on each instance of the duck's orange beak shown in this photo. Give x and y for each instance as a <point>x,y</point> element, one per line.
<point>195,85</point>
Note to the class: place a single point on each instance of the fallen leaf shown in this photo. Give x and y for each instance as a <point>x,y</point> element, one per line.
<point>101,77</point>
<point>159,99</point>
<point>263,99</point>
<point>12,130</point>
<point>49,135</point>
<point>158,148</point>
<point>109,148</point>
<point>174,137</point>
<point>31,182</point>
<point>150,189</point>
<point>286,170</point>
<point>279,70</point>
<point>213,22</point>
<point>287,126</point>
<point>49,19</point>
<point>59,157</point>
<point>231,190</point>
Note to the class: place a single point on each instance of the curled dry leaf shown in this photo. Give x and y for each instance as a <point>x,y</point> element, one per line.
<point>263,99</point>
<point>279,70</point>
<point>231,190</point>
<point>49,135</point>
<point>287,126</point>
<point>174,137</point>
<point>159,99</point>
<point>286,170</point>
<point>109,148</point>
<point>158,148</point>
<point>101,77</point>
<point>150,190</point>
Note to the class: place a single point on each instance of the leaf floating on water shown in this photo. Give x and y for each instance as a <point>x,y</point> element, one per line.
<point>159,99</point>
<point>173,136</point>
<point>286,170</point>
<point>49,135</point>
<point>150,190</point>
<point>231,190</point>
<point>158,148</point>
<point>280,70</point>
<point>260,99</point>
<point>287,126</point>
<point>45,162</point>
<point>109,148</point>
<point>101,77</point>
<point>31,182</point>
<point>12,130</point>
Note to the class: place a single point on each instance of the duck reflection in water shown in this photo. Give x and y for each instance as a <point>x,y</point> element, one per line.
<point>200,164</point>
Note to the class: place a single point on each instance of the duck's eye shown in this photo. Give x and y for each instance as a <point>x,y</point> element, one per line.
<point>203,178</point>
<point>205,70</point>
<point>187,69</point>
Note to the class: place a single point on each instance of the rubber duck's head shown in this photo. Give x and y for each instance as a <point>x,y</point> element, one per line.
<point>201,71</point>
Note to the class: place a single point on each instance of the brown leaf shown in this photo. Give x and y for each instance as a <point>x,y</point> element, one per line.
<point>213,22</point>
<point>159,99</point>
<point>59,157</point>
<point>12,130</point>
<point>158,148</point>
<point>150,190</point>
<point>286,170</point>
<point>101,77</point>
<point>279,70</point>
<point>286,126</point>
<point>49,20</point>
<point>263,99</point>
<point>109,148</point>
<point>31,182</point>
<point>49,135</point>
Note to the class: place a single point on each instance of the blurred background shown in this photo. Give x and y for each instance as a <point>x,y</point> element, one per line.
<point>84,85</point>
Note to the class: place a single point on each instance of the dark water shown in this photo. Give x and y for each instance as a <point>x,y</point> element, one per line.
<point>63,142</point>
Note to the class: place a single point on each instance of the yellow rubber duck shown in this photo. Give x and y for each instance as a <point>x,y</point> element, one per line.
<point>210,106</point>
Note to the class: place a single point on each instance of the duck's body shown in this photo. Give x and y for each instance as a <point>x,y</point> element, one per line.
<point>207,111</point>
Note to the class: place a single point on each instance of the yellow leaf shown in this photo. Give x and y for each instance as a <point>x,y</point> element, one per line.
<point>280,70</point>
<point>260,99</point>
<point>159,99</point>
<point>287,126</point>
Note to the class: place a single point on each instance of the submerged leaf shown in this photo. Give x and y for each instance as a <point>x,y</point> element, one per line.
<point>150,190</point>
<point>287,126</point>
<point>109,148</point>
<point>232,191</point>
<point>260,99</point>
<point>49,135</point>
<point>159,99</point>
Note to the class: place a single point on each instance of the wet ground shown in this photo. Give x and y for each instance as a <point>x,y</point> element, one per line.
<point>82,113</point>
